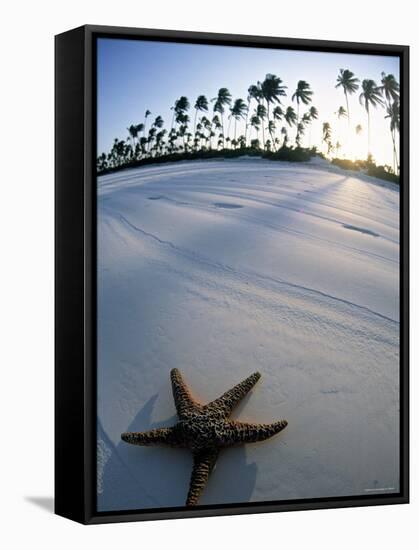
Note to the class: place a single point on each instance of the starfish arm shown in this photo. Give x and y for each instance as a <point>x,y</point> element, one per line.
<point>159,436</point>
<point>203,465</point>
<point>184,401</point>
<point>236,433</point>
<point>226,403</point>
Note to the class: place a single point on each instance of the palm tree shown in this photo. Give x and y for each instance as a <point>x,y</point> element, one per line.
<point>350,84</point>
<point>182,104</point>
<point>390,88</point>
<point>183,118</point>
<point>313,114</point>
<point>199,132</point>
<point>207,125</point>
<point>151,135</point>
<point>290,116</point>
<point>118,152</point>
<point>188,138</point>
<point>277,115</point>
<point>341,112</point>
<point>305,119</point>
<point>253,92</point>
<point>222,100</point>
<point>284,132</point>
<point>238,111</point>
<point>201,104</point>
<point>261,114</point>
<point>217,123</point>
<point>159,140</point>
<point>140,128</point>
<point>212,134</point>
<point>133,133</point>
<point>302,94</point>
<point>172,136</point>
<point>158,122</point>
<point>255,123</point>
<point>393,113</point>
<point>143,143</point>
<point>300,133</point>
<point>370,96</point>
<point>146,115</point>
<point>271,130</point>
<point>102,162</point>
<point>179,108</point>
<point>272,90</point>
<point>302,125</point>
<point>182,133</point>
<point>327,136</point>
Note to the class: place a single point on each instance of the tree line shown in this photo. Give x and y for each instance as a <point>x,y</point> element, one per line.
<point>211,124</point>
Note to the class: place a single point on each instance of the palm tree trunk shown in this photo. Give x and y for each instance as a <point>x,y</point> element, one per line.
<point>270,132</point>
<point>222,129</point>
<point>393,137</point>
<point>194,124</point>
<point>228,129</point>
<point>297,137</point>
<point>369,149</point>
<point>245,128</point>
<point>347,112</point>
<point>347,109</point>
<point>173,122</point>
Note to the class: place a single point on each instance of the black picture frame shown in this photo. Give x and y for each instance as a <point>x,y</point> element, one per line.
<point>75,274</point>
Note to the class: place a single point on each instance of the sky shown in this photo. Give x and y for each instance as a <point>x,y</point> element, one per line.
<point>135,75</point>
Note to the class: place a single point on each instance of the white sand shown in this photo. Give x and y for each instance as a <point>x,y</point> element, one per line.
<point>221,268</point>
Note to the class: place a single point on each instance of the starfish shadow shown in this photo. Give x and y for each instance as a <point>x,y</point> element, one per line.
<point>234,478</point>
<point>136,477</point>
<point>143,477</point>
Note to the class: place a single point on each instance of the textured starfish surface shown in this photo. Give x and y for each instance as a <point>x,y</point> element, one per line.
<point>205,429</point>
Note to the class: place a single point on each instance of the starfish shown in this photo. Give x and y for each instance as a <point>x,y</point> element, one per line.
<point>205,429</point>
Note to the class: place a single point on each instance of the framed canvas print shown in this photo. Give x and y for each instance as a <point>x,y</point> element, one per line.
<point>231,274</point>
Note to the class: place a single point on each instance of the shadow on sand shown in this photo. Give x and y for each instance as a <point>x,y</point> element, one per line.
<point>136,477</point>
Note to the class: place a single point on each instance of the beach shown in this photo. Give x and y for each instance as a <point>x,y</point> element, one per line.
<point>222,268</point>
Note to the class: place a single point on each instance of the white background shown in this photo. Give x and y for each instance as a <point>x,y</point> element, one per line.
<point>26,300</point>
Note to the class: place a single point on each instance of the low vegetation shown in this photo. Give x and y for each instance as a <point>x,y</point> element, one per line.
<point>368,167</point>
<point>285,153</point>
